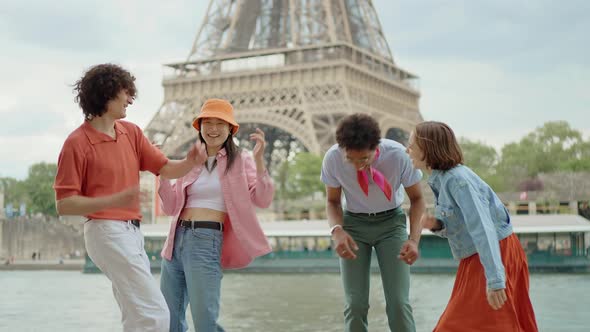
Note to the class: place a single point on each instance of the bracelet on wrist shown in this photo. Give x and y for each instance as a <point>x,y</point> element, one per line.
<point>334,228</point>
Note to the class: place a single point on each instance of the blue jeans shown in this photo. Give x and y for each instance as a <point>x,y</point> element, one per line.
<point>194,275</point>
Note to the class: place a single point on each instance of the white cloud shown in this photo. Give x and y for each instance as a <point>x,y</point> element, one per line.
<point>487,103</point>
<point>46,48</point>
<point>494,70</point>
<point>18,153</point>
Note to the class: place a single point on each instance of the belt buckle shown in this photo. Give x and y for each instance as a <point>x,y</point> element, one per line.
<point>372,214</point>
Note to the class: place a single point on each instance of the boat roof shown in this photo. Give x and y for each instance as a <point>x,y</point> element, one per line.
<point>523,224</point>
<point>550,223</point>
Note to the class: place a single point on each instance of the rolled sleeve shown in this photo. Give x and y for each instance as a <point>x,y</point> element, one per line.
<point>328,165</point>
<point>150,157</point>
<point>71,167</point>
<point>409,175</point>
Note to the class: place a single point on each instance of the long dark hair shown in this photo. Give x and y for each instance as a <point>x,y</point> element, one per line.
<point>230,147</point>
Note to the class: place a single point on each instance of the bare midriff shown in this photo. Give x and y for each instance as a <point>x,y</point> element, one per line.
<point>202,214</point>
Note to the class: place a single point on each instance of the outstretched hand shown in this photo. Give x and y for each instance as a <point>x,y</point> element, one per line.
<point>258,150</point>
<point>198,153</point>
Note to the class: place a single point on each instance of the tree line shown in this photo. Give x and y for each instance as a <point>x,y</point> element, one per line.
<point>552,148</point>
<point>36,191</point>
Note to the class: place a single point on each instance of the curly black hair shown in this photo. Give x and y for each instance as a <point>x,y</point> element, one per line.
<point>358,132</point>
<point>100,84</point>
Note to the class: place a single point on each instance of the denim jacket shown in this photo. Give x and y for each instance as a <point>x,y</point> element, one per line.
<point>474,219</point>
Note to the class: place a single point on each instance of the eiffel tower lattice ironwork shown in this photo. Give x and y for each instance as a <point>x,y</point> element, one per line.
<point>293,67</point>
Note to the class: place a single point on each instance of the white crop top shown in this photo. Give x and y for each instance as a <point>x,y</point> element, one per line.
<point>205,192</point>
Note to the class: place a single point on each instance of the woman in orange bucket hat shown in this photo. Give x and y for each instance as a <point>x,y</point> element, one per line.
<point>218,109</point>
<point>214,224</point>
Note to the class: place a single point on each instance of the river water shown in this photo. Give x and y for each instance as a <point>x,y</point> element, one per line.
<point>68,301</point>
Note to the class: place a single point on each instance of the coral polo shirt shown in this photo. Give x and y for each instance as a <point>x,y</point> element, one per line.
<point>93,164</point>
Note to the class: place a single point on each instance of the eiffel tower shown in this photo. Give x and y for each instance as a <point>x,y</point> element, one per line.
<point>291,67</point>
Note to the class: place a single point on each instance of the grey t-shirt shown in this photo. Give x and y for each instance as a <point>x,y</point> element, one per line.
<point>393,162</point>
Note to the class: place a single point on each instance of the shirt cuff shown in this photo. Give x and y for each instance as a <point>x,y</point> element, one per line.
<point>495,285</point>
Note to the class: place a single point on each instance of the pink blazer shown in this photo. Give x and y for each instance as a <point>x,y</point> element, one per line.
<point>243,238</point>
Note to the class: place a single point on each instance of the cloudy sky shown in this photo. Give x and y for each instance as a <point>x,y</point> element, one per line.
<point>494,70</point>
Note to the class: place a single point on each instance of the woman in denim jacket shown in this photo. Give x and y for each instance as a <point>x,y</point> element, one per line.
<point>491,291</point>
<point>214,224</point>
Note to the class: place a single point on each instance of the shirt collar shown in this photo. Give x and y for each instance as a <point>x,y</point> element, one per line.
<point>222,152</point>
<point>95,136</point>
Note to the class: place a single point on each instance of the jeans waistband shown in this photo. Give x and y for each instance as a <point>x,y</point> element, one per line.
<point>201,224</point>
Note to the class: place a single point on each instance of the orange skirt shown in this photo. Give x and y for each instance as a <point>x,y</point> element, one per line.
<point>468,308</point>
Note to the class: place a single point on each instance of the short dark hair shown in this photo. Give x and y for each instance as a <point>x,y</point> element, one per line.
<point>358,132</point>
<point>439,145</point>
<point>100,84</point>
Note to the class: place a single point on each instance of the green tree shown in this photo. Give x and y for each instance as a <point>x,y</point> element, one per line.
<point>14,190</point>
<point>478,156</point>
<point>553,147</point>
<point>280,179</point>
<point>300,177</point>
<point>581,158</point>
<point>39,188</point>
<point>482,159</point>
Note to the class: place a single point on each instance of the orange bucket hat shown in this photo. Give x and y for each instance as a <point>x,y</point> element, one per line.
<point>220,109</point>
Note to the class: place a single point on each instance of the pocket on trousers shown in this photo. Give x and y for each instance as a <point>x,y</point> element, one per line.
<point>398,227</point>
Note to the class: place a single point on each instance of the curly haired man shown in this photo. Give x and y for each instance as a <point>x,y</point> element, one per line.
<point>98,177</point>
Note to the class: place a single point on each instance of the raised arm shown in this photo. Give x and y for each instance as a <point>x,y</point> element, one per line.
<point>178,168</point>
<point>260,184</point>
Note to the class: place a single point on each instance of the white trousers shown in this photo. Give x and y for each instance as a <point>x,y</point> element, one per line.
<point>116,248</point>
